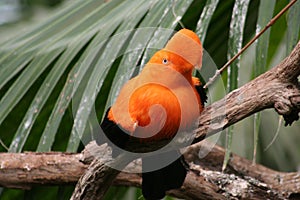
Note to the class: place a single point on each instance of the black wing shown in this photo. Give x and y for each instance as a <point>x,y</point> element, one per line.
<point>113,133</point>
<point>202,93</point>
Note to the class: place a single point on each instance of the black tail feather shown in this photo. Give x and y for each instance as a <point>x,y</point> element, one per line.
<point>156,183</point>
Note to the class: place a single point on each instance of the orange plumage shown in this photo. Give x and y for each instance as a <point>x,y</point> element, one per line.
<point>162,100</point>
<point>167,81</point>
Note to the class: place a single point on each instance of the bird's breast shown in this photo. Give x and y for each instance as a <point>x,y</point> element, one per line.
<point>157,112</point>
<point>156,104</point>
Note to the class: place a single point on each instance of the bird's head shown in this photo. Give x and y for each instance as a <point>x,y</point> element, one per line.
<point>183,52</point>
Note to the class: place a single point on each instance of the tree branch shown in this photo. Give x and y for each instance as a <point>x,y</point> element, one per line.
<point>206,180</point>
<point>23,170</point>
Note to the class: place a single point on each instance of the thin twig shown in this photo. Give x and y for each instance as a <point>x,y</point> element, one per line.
<point>272,21</point>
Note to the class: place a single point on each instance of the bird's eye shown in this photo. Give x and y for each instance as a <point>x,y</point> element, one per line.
<point>165,61</point>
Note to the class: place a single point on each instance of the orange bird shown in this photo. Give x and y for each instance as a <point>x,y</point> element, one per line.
<point>163,100</point>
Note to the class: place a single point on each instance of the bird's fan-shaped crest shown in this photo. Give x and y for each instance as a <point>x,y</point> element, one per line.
<point>187,44</point>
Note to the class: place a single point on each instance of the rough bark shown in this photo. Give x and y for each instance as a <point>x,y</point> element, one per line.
<point>278,88</point>
<point>99,176</point>
<point>205,180</point>
<point>23,170</point>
